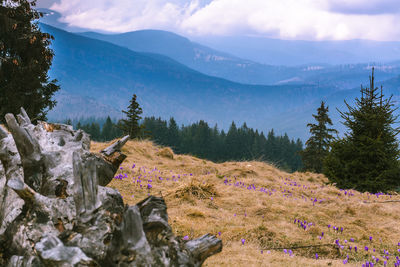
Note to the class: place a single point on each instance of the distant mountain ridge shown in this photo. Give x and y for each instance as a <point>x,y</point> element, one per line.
<point>224,65</point>
<point>104,76</point>
<point>219,64</point>
<point>110,74</point>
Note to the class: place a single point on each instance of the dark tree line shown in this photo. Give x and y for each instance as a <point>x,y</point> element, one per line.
<point>243,143</point>
<point>200,140</point>
<point>100,129</point>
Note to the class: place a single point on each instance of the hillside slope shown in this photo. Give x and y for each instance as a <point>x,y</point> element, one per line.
<point>253,206</point>
<point>110,74</point>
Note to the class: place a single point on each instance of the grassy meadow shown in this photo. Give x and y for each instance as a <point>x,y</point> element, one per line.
<point>264,216</point>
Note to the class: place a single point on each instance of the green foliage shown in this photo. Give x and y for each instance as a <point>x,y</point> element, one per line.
<point>317,146</point>
<point>101,129</point>
<point>238,144</point>
<point>366,159</point>
<point>131,125</point>
<point>25,58</point>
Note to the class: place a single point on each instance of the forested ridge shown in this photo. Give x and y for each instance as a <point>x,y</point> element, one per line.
<point>203,141</point>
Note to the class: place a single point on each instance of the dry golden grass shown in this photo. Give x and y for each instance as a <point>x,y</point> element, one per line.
<point>264,221</point>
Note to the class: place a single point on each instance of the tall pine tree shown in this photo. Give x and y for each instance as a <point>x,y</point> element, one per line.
<point>367,157</point>
<point>25,58</point>
<point>317,146</point>
<point>131,125</point>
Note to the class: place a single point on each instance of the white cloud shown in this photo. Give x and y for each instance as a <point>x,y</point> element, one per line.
<point>288,19</point>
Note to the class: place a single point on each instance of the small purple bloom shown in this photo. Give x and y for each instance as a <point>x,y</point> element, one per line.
<point>243,240</point>
<point>186,237</point>
<point>316,256</point>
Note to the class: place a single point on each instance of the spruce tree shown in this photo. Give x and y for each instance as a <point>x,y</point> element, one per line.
<point>25,58</point>
<point>107,130</point>
<point>366,159</point>
<point>131,125</point>
<point>173,134</point>
<point>317,146</point>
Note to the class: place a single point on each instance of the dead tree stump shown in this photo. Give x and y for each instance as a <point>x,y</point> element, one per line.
<point>55,210</point>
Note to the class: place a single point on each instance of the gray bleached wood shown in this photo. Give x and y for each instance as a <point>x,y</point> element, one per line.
<point>55,210</point>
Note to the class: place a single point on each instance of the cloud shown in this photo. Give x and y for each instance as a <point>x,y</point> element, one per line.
<point>46,3</point>
<point>287,19</point>
<point>372,7</point>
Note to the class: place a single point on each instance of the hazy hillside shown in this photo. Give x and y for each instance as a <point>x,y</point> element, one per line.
<point>219,64</point>
<point>198,57</point>
<point>265,217</point>
<point>296,52</point>
<point>110,74</point>
<point>106,76</point>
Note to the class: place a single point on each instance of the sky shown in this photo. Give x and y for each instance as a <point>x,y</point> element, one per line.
<point>284,19</point>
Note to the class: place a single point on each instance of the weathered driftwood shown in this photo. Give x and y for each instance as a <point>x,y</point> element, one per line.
<point>54,210</point>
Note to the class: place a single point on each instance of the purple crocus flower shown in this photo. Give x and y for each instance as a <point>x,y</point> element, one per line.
<point>186,237</point>
<point>366,248</point>
<point>219,233</point>
<point>316,256</point>
<point>370,238</point>
<point>243,240</point>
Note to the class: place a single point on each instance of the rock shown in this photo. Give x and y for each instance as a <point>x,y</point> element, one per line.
<point>55,210</point>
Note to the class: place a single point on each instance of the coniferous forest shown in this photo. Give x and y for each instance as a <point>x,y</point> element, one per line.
<point>203,141</point>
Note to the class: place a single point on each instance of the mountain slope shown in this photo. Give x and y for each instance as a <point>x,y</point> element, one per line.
<point>298,52</point>
<point>111,74</point>
<point>253,209</point>
<point>219,64</point>
<point>198,57</point>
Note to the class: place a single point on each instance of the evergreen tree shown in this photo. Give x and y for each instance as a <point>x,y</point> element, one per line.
<point>107,131</point>
<point>366,159</point>
<point>173,134</point>
<point>131,125</point>
<point>317,146</point>
<point>94,131</point>
<point>25,58</point>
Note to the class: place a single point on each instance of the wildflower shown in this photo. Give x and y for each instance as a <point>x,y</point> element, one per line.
<point>186,237</point>
<point>149,186</point>
<point>243,240</point>
<point>366,248</point>
<point>285,250</point>
<point>370,238</point>
<point>316,256</point>
<point>219,233</point>
<point>355,249</point>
